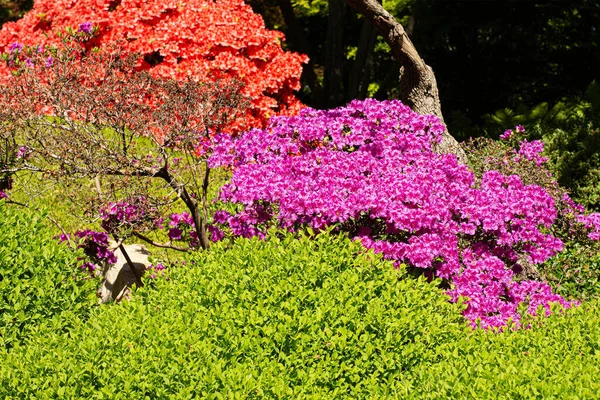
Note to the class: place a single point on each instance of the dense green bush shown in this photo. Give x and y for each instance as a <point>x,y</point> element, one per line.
<point>40,288</point>
<point>281,318</point>
<point>571,131</point>
<point>300,318</point>
<point>559,358</point>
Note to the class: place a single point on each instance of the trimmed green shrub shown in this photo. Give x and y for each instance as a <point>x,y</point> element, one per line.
<point>558,358</point>
<point>40,288</point>
<point>285,317</point>
<point>301,318</point>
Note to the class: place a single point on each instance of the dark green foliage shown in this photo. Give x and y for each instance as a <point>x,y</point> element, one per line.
<point>11,10</point>
<point>571,131</point>
<point>40,288</point>
<point>497,53</point>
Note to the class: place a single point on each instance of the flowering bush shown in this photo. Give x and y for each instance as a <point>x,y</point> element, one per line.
<point>143,140</point>
<point>199,39</point>
<point>368,169</point>
<point>515,155</point>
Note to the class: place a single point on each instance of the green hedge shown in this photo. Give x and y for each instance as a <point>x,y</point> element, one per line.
<point>38,290</point>
<point>283,318</point>
<point>300,318</point>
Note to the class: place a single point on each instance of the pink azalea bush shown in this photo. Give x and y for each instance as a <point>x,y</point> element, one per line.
<point>368,169</point>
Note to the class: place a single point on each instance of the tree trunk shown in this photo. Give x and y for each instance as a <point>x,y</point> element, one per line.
<point>418,87</point>
<point>299,38</point>
<point>335,54</point>
<point>361,67</point>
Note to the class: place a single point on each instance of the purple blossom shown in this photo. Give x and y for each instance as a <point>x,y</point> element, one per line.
<point>183,218</point>
<point>154,269</point>
<point>89,267</point>
<point>532,150</point>
<point>95,246</point>
<point>591,222</point>
<point>15,47</point>
<point>3,195</point>
<point>216,234</point>
<point>506,135</point>
<point>369,169</point>
<point>175,234</point>
<point>64,237</point>
<point>49,62</point>
<point>85,27</point>
<point>23,152</point>
<point>126,214</point>
<point>29,63</point>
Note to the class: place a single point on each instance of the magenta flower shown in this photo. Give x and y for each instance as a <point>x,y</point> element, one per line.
<point>369,169</point>
<point>506,135</point>
<point>23,152</point>
<point>85,27</point>
<point>15,47</point>
<point>175,234</point>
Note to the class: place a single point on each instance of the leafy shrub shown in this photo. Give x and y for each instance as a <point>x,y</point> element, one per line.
<point>40,287</point>
<point>368,169</point>
<point>571,130</point>
<point>200,39</point>
<point>574,271</point>
<point>277,318</point>
<point>310,318</point>
<point>558,358</point>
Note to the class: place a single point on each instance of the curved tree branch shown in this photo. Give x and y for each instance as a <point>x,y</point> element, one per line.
<point>418,87</point>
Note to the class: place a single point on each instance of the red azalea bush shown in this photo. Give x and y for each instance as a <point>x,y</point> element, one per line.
<point>368,169</point>
<point>199,39</point>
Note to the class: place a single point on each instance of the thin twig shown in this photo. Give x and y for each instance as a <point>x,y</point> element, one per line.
<point>161,245</point>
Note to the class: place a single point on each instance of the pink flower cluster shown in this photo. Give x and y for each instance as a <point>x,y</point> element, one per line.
<point>117,216</point>
<point>154,270</point>
<point>531,151</point>
<point>181,227</point>
<point>592,222</point>
<point>95,246</point>
<point>368,169</point>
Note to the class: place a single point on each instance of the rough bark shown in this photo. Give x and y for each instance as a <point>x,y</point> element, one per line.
<point>418,87</point>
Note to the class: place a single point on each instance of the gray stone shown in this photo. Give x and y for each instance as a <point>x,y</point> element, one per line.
<point>117,279</point>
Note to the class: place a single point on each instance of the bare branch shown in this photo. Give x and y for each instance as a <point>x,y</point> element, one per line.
<point>161,245</point>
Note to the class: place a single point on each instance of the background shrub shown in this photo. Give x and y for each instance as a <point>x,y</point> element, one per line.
<point>40,288</point>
